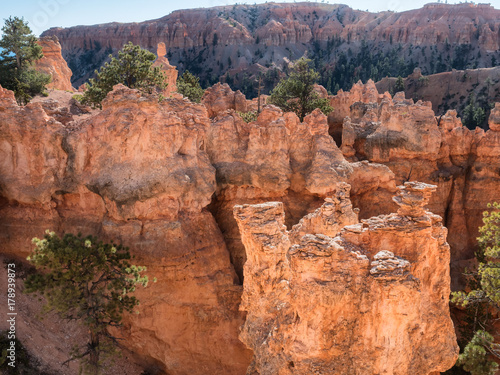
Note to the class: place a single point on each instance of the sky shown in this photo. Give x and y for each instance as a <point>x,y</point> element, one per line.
<point>44,14</point>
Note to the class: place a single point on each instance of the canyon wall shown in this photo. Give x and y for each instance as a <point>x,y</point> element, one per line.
<point>213,41</point>
<point>162,178</point>
<point>137,173</point>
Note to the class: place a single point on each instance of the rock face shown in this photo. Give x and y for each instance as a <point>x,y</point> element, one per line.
<point>170,71</point>
<point>370,298</point>
<point>220,98</point>
<point>279,158</point>
<point>416,145</point>
<point>54,64</point>
<point>216,40</point>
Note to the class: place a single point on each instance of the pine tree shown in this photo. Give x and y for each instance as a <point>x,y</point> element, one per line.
<point>484,295</point>
<point>473,115</point>
<point>89,281</point>
<point>19,51</point>
<point>400,85</point>
<point>133,68</point>
<point>296,92</point>
<point>189,86</point>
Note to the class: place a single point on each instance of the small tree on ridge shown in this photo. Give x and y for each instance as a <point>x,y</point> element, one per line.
<point>19,51</point>
<point>89,281</point>
<point>189,86</point>
<point>296,93</point>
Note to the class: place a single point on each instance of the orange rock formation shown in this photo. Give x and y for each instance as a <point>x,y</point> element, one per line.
<point>164,178</point>
<point>415,145</point>
<point>170,71</point>
<point>53,63</point>
<point>137,173</point>
<point>372,299</point>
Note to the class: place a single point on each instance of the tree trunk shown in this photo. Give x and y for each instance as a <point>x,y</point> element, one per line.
<point>94,353</point>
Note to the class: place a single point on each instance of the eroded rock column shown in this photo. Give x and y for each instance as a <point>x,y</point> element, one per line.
<point>372,299</point>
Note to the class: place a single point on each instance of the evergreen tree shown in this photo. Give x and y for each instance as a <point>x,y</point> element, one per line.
<point>89,281</point>
<point>189,86</point>
<point>400,85</point>
<point>133,68</point>
<point>296,92</point>
<point>19,51</point>
<point>484,294</point>
<point>473,115</point>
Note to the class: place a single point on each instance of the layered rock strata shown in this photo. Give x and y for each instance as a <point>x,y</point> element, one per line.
<point>232,38</point>
<point>364,298</point>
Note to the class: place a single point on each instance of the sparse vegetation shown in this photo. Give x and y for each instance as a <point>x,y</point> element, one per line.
<point>400,85</point>
<point>248,116</point>
<point>87,280</point>
<point>473,115</point>
<point>133,68</point>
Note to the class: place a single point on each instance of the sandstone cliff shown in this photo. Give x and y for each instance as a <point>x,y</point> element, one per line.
<point>279,158</point>
<point>53,63</point>
<point>371,298</point>
<point>213,41</point>
<point>151,196</point>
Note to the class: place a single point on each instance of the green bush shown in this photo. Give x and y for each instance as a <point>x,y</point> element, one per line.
<point>248,116</point>
<point>484,295</point>
<point>20,50</point>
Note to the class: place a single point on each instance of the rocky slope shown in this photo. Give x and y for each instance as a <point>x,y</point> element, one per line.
<point>213,41</point>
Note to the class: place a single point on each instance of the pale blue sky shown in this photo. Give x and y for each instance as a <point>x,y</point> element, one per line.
<point>43,14</point>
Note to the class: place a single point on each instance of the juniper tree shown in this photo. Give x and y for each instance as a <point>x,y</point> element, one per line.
<point>87,280</point>
<point>296,92</point>
<point>133,68</point>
